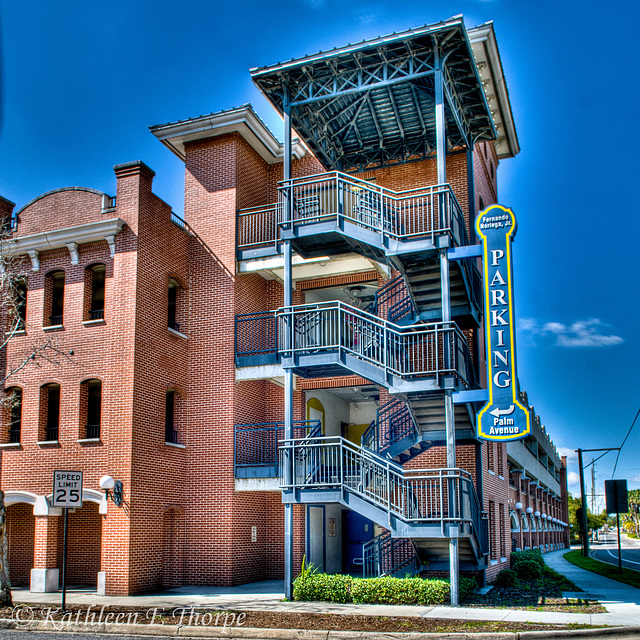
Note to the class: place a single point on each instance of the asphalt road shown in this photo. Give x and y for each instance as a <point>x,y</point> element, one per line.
<point>37,635</point>
<point>607,551</point>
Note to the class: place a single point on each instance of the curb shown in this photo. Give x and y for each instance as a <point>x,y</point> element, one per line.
<point>298,634</point>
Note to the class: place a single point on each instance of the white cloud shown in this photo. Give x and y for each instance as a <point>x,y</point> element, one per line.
<point>573,478</point>
<point>582,333</point>
<point>572,456</point>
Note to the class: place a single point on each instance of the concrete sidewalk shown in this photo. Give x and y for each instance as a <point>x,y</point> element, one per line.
<point>621,601</point>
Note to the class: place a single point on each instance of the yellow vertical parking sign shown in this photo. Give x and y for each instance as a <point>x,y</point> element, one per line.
<point>503,417</point>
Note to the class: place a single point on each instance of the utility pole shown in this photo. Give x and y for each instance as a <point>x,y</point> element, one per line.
<point>583,496</point>
<point>583,499</point>
<point>593,486</point>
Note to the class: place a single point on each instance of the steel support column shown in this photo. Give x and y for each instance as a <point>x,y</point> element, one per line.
<point>441,160</point>
<point>288,373</point>
<point>441,138</point>
<point>480,492</point>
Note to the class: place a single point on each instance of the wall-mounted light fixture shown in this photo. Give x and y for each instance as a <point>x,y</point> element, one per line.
<point>537,514</point>
<point>112,489</point>
<point>529,510</point>
<point>518,506</point>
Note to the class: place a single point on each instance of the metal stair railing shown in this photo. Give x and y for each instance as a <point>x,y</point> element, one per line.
<point>393,423</point>
<point>423,496</point>
<point>417,351</point>
<point>255,335</point>
<point>384,555</point>
<point>257,227</point>
<point>393,301</point>
<point>256,445</point>
<point>416,213</point>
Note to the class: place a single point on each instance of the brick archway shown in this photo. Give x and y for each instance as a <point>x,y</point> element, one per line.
<point>21,528</point>
<point>84,545</point>
<point>173,555</point>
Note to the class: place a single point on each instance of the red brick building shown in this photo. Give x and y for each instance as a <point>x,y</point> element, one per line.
<point>177,377</point>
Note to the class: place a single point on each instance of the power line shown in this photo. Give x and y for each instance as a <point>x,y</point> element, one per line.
<point>622,445</point>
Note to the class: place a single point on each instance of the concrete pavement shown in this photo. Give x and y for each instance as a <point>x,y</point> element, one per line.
<point>621,601</point>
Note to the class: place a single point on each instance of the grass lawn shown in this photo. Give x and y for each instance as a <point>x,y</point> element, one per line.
<point>628,576</point>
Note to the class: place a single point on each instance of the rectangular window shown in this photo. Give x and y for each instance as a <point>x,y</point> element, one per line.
<point>500,458</point>
<point>172,305</point>
<point>490,455</point>
<point>493,542</point>
<point>503,531</point>
<point>170,433</point>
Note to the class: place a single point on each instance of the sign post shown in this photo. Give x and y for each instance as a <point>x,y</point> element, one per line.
<point>503,418</point>
<point>67,494</point>
<point>617,501</point>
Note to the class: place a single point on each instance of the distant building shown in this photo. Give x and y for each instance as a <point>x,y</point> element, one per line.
<point>300,338</point>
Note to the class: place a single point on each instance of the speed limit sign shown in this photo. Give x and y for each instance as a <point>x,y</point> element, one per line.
<point>67,489</point>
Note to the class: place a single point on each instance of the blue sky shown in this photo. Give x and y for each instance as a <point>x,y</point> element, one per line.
<point>83,81</point>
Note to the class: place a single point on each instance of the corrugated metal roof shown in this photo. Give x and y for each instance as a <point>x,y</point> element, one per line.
<point>373,104</point>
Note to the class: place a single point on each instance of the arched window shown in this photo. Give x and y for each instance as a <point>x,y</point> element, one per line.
<point>525,522</point>
<point>54,299</point>
<point>513,518</point>
<point>19,311</point>
<point>172,421</point>
<point>12,410</point>
<point>49,412</point>
<point>90,409</point>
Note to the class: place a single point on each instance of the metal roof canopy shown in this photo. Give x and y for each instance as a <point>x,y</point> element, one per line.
<point>374,104</point>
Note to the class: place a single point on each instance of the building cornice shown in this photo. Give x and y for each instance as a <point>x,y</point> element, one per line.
<point>242,120</point>
<point>485,50</point>
<point>70,238</point>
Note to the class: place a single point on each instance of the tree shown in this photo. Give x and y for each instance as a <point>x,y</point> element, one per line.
<point>13,290</point>
<point>5,582</point>
<point>594,522</point>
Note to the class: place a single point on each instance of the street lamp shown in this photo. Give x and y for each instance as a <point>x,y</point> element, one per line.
<point>112,489</point>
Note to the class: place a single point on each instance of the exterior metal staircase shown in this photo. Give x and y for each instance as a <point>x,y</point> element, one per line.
<point>399,342</point>
<point>335,213</point>
<point>422,505</point>
<point>388,556</point>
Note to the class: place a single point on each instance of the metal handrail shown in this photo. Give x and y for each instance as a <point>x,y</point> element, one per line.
<point>404,215</point>
<point>258,226</point>
<point>432,349</point>
<point>393,298</point>
<point>393,423</point>
<point>385,555</point>
<point>255,334</point>
<point>444,496</point>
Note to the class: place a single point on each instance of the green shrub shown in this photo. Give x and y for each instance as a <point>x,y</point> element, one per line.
<point>532,555</point>
<point>527,569</point>
<point>310,585</point>
<point>467,587</point>
<point>506,578</point>
<point>387,590</point>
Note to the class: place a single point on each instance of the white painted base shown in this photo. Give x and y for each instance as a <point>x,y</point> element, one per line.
<point>45,580</point>
<point>102,583</point>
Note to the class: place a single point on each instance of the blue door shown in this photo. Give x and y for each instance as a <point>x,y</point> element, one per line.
<point>358,531</point>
